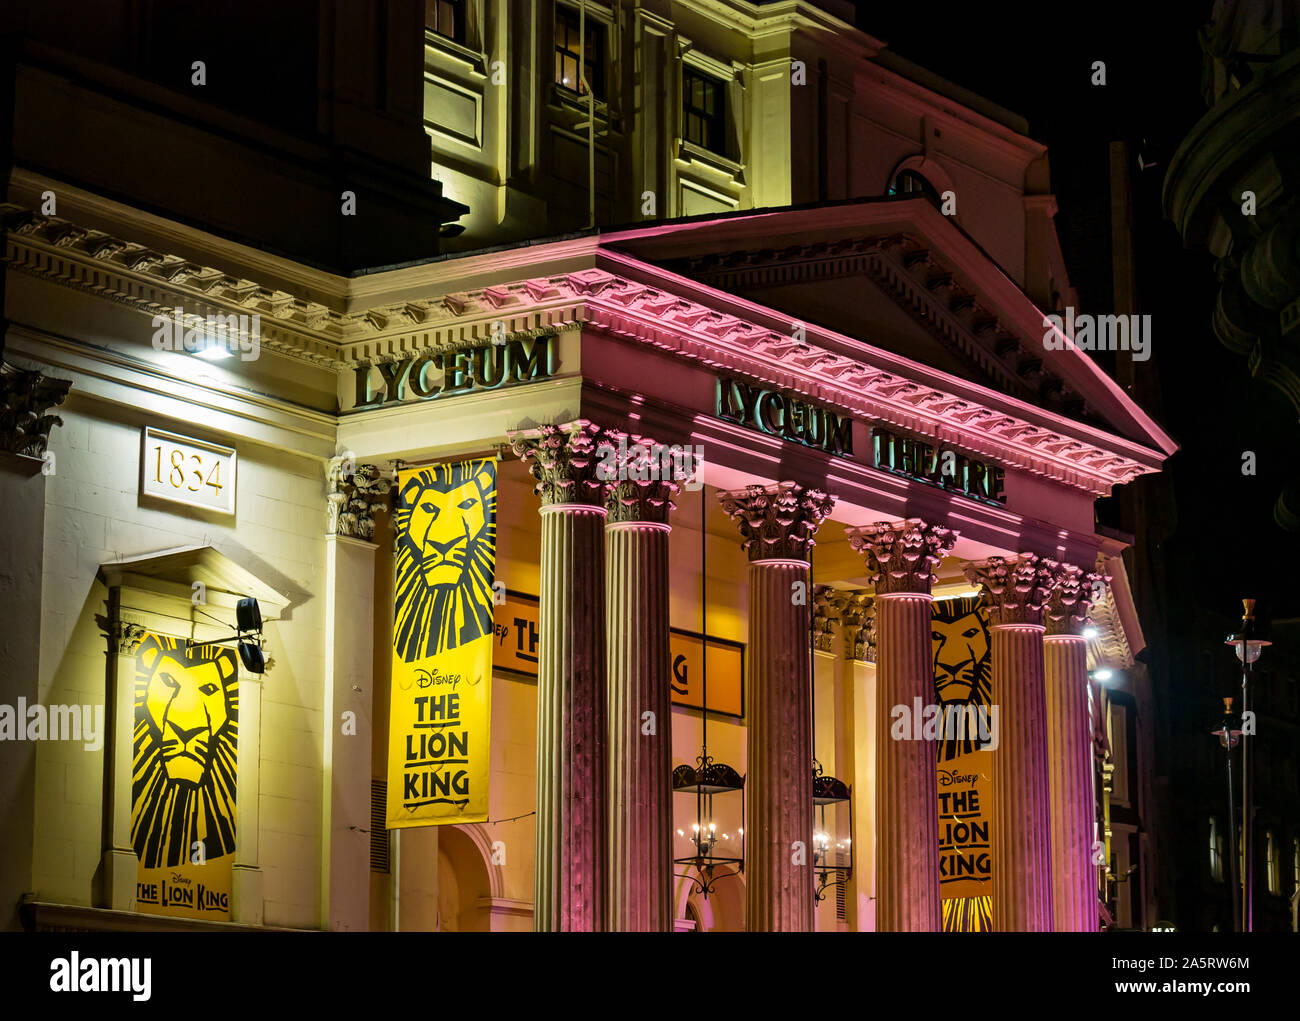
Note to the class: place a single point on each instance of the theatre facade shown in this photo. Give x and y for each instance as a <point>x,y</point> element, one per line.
<point>629,580</point>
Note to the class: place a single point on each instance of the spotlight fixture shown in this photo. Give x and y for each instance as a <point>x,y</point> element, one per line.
<point>248,635</point>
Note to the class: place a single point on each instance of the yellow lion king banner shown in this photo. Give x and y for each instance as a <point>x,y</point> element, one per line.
<point>183,788</point>
<point>441,700</point>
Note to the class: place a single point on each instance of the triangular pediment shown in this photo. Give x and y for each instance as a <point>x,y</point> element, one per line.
<point>173,572</point>
<point>903,278</point>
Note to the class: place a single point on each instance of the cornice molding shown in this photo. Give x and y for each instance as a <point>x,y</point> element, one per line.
<point>719,341</point>
<point>153,282</point>
<point>906,269</point>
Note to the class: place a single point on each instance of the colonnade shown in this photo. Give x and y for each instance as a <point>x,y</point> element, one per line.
<point>604,796</point>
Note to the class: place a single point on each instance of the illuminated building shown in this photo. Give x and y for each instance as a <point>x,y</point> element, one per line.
<point>833,317</point>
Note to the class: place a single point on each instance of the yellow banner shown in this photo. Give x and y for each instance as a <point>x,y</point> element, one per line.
<point>183,788</point>
<point>441,703</point>
<point>963,678</point>
<point>518,641</point>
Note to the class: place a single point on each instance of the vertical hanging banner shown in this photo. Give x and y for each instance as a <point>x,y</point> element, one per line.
<point>183,788</point>
<point>441,702</point>
<point>963,684</point>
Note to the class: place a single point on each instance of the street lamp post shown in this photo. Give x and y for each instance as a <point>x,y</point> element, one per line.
<point>1247,646</point>
<point>1228,737</point>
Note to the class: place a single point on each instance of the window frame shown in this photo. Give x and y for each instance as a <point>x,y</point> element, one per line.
<point>718,118</point>
<point>598,65</point>
<point>461,10</point>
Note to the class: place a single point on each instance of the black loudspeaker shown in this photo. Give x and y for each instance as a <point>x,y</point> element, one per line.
<point>251,656</point>
<point>248,615</point>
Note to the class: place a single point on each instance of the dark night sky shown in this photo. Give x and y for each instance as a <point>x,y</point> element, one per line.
<point>1036,61</point>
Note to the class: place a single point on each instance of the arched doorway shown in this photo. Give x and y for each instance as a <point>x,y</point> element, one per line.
<point>464,883</point>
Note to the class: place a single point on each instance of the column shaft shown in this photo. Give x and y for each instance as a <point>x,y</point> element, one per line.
<point>778,785</point>
<point>907,816</point>
<point>569,848</point>
<point>1021,834</point>
<point>1069,746</point>
<point>640,750</point>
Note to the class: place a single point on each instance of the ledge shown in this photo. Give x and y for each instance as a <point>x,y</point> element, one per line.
<point>41,916</point>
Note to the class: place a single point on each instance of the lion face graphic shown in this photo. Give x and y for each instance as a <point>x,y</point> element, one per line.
<point>446,528</point>
<point>186,732</point>
<point>962,663</point>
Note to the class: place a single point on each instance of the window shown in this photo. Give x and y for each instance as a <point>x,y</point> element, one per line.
<point>446,18</point>
<point>1216,850</point>
<point>1295,864</point>
<point>566,53</point>
<point>1271,862</point>
<point>911,184</point>
<point>704,111</point>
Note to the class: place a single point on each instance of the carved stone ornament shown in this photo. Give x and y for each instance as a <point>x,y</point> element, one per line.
<point>1072,598</point>
<point>859,621</point>
<point>565,460</point>
<point>1015,590</point>
<point>778,522</point>
<point>828,608</point>
<point>25,397</point>
<point>123,636</point>
<point>902,555</point>
<point>356,493</point>
<point>642,476</point>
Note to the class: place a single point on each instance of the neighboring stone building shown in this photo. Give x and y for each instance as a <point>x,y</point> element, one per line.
<point>835,311</point>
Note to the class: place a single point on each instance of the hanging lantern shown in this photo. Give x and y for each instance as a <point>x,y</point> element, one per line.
<point>706,779</point>
<point>832,855</point>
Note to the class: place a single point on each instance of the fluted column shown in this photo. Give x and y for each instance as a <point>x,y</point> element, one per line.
<point>119,865</point>
<point>1015,591</point>
<point>639,670</point>
<point>778,524</point>
<point>1069,749</point>
<point>902,556</point>
<point>569,852</point>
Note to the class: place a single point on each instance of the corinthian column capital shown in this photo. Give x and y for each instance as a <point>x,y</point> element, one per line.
<point>1074,592</point>
<point>642,476</point>
<point>828,613</point>
<point>26,397</point>
<point>565,460</point>
<point>356,493</point>
<point>778,522</point>
<point>859,622</point>
<point>1015,589</point>
<point>902,555</point>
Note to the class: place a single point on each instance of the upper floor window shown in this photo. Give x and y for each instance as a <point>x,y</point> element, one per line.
<point>704,111</point>
<point>909,182</point>
<point>568,58</point>
<point>446,18</point>
<point>1295,864</point>
<point>1216,850</point>
<point>1271,862</point>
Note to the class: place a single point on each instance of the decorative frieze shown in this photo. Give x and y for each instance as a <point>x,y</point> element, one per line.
<point>778,522</point>
<point>26,397</point>
<point>356,493</point>
<point>139,276</point>
<point>902,555</point>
